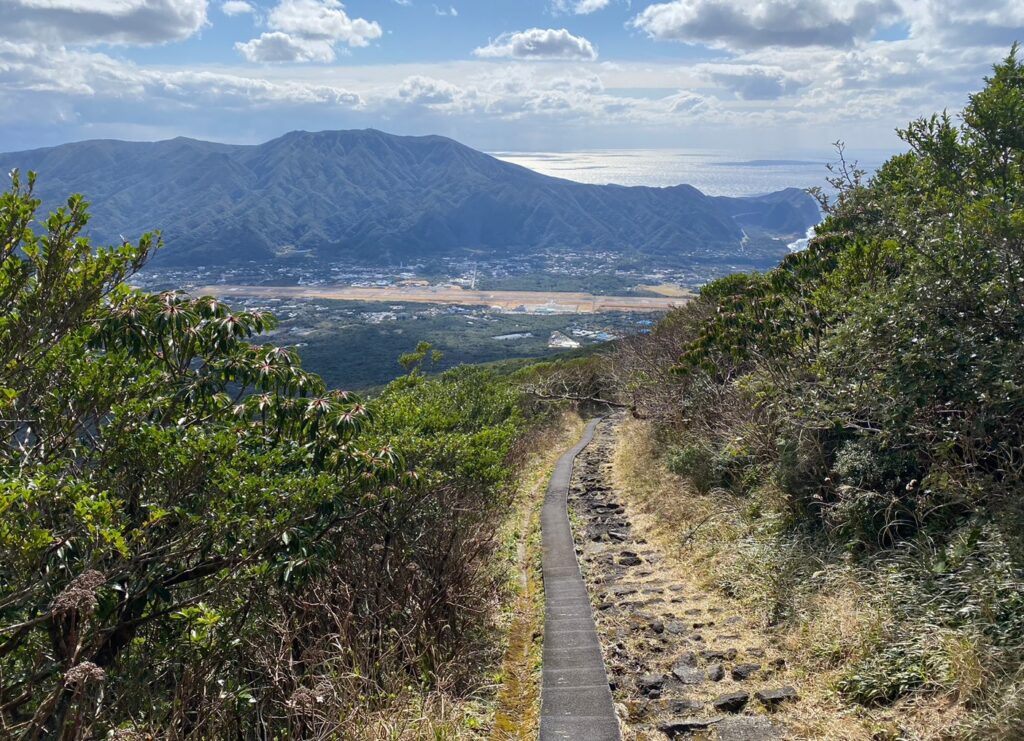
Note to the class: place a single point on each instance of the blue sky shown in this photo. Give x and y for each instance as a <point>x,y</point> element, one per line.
<point>753,78</point>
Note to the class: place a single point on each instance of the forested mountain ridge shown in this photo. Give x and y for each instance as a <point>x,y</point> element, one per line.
<point>367,194</point>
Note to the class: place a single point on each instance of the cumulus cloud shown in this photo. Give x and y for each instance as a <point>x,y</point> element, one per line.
<point>967,22</point>
<point>236,7</point>
<point>818,93</point>
<point>539,43</point>
<point>322,19</point>
<point>685,102</point>
<point>431,92</point>
<point>753,81</point>
<point>738,24</point>
<point>138,22</point>
<point>277,46</point>
<point>307,31</point>
<point>69,75</point>
<point>580,7</point>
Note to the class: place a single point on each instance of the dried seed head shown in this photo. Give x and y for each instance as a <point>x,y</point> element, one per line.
<point>128,734</point>
<point>84,673</point>
<point>80,594</point>
<point>303,699</point>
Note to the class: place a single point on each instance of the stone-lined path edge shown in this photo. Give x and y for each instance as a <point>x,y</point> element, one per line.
<point>576,701</point>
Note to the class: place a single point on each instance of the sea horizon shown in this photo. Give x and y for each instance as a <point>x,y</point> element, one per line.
<point>715,173</point>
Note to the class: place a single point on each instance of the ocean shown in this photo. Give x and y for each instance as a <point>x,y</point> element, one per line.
<point>712,173</point>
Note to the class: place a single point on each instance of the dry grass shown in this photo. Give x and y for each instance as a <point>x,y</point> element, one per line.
<point>667,289</point>
<point>833,619</point>
<point>507,703</point>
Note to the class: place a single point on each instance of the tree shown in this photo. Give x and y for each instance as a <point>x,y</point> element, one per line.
<point>157,469</point>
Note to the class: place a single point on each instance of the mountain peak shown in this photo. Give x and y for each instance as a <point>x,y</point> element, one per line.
<point>372,195</point>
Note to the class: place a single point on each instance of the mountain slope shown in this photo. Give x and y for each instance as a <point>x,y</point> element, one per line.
<point>367,194</point>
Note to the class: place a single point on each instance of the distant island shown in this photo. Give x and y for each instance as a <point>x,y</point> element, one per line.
<point>368,195</point>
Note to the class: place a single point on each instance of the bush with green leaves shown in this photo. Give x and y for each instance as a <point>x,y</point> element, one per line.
<point>196,537</point>
<point>878,376</point>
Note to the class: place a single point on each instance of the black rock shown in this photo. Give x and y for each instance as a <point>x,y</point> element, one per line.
<point>771,698</point>
<point>687,674</point>
<point>651,685</point>
<point>688,659</point>
<point>630,561</point>
<point>716,673</point>
<point>733,702</point>
<point>717,654</point>
<point>744,671</point>
<point>657,626</point>
<point>686,726</point>
<point>684,704</point>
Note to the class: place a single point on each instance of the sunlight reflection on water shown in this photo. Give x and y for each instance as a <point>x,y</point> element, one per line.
<point>714,174</point>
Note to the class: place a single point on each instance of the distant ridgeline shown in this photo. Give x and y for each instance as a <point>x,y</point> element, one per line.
<point>367,194</point>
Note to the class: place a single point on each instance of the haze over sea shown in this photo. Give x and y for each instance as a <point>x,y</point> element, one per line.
<point>716,174</point>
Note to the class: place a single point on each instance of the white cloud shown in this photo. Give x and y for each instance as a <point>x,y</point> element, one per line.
<point>281,47</point>
<point>451,11</point>
<point>322,19</point>
<point>580,7</point>
<point>78,75</point>
<point>435,94</point>
<point>236,7</point>
<point>753,81</point>
<point>685,102</point>
<point>539,43</point>
<point>138,22</point>
<point>738,24</point>
<point>307,31</point>
<point>962,23</point>
<point>817,93</point>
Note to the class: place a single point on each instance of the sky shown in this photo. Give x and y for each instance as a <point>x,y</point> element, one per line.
<point>744,77</point>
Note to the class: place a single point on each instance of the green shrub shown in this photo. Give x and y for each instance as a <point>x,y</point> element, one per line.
<point>895,671</point>
<point>198,539</point>
<point>877,379</point>
<point>695,462</point>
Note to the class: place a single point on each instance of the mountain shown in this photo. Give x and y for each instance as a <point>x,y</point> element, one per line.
<point>371,195</point>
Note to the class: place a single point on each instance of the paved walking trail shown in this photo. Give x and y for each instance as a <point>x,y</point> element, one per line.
<point>576,702</point>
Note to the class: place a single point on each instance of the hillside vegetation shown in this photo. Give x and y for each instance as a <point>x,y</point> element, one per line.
<point>198,539</point>
<point>849,428</point>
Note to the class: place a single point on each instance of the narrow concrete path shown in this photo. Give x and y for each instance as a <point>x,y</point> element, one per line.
<point>576,702</point>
